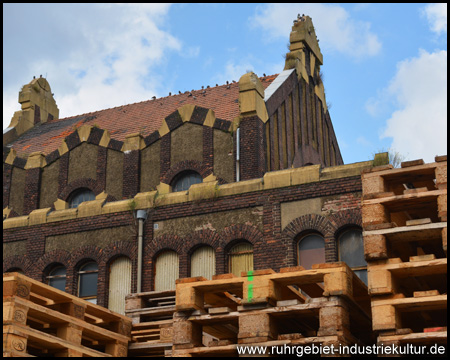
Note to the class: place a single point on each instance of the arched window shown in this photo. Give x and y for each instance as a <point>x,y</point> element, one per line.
<point>351,251</point>
<point>184,180</point>
<point>87,282</point>
<point>57,277</point>
<point>166,270</point>
<point>203,262</point>
<point>80,195</point>
<point>119,284</point>
<point>311,250</point>
<point>240,258</point>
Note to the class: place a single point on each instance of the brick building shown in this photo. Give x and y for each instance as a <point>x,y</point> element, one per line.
<point>246,175</point>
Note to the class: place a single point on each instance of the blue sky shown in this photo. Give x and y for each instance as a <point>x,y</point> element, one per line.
<point>385,65</point>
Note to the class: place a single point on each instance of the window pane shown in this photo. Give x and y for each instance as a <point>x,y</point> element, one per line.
<point>58,283</point>
<point>60,270</point>
<point>88,284</point>
<point>185,180</point>
<point>311,250</point>
<point>79,196</point>
<point>351,248</point>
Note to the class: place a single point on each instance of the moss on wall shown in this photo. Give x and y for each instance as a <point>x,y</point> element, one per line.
<point>100,238</point>
<point>223,163</point>
<point>186,143</point>
<point>49,185</point>
<point>83,162</point>
<point>215,222</point>
<point>114,173</point>
<point>150,167</point>
<point>14,248</point>
<point>16,193</point>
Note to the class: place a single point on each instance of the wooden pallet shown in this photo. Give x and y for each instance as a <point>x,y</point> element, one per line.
<point>152,318</point>
<point>43,321</point>
<point>400,195</point>
<point>289,307</point>
<point>405,240</point>
<point>268,287</point>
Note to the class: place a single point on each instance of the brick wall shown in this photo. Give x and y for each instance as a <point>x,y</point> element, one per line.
<point>274,247</point>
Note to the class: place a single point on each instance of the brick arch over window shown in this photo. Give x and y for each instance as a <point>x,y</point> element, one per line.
<point>91,184</point>
<point>20,262</point>
<point>304,224</point>
<point>346,218</point>
<point>120,248</point>
<point>192,165</point>
<point>56,256</point>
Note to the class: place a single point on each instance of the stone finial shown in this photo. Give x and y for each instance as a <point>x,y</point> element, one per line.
<point>251,96</point>
<point>302,34</point>
<point>38,106</point>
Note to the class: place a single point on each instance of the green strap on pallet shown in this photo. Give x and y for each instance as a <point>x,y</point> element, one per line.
<point>250,286</point>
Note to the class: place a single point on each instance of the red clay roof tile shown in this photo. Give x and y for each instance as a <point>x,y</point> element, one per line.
<point>144,117</point>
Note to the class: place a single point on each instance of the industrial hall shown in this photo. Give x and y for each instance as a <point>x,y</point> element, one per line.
<point>191,224</point>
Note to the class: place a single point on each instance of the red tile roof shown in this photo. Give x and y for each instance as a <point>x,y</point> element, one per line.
<point>144,117</point>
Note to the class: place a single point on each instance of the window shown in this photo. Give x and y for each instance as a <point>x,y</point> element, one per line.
<point>351,251</point>
<point>166,270</point>
<point>87,282</point>
<point>240,258</point>
<point>57,277</point>
<point>311,250</point>
<point>203,262</point>
<point>119,284</point>
<point>185,179</point>
<point>80,195</point>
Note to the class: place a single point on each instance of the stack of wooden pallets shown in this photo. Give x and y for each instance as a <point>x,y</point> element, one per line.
<point>152,317</point>
<point>39,320</point>
<point>327,305</point>
<point>404,215</point>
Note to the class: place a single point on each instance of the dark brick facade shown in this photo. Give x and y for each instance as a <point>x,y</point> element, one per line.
<point>274,247</point>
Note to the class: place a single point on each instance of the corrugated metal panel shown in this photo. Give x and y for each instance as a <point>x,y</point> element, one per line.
<point>119,284</point>
<point>203,262</point>
<point>166,271</point>
<point>241,258</point>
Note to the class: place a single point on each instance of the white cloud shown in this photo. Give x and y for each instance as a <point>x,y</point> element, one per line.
<point>336,30</point>
<point>419,126</point>
<point>109,59</point>
<point>437,17</point>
